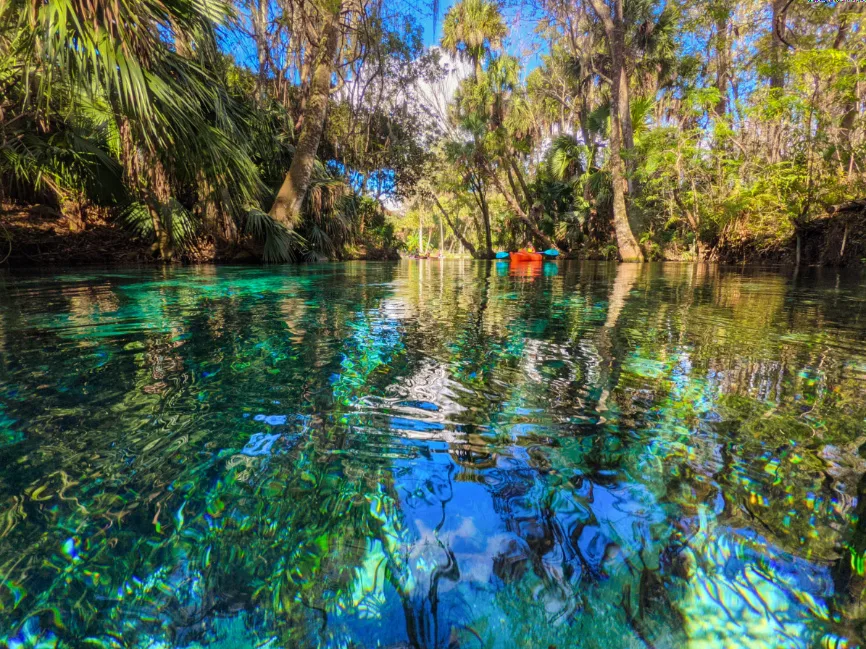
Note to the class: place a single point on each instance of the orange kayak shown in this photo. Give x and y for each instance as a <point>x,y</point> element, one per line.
<point>523,255</point>
<point>525,269</point>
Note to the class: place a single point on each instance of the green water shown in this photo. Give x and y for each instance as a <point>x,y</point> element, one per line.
<point>428,454</point>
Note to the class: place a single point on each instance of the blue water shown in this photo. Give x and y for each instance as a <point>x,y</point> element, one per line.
<point>433,454</point>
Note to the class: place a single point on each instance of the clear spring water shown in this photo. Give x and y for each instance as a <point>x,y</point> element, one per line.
<point>427,454</point>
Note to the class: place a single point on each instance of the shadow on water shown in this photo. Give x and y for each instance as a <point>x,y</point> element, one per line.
<point>432,454</point>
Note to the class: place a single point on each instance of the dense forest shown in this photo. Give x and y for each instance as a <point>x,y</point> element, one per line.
<point>288,130</point>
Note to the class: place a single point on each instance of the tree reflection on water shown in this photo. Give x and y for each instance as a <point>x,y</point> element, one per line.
<point>432,455</point>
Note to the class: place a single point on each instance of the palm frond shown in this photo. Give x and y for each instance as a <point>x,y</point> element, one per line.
<point>136,218</point>
<point>173,218</point>
<point>279,244</point>
<point>567,158</point>
<point>599,119</point>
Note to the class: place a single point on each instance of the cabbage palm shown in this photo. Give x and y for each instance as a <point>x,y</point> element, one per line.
<point>290,199</point>
<point>469,158</point>
<point>143,73</point>
<point>496,102</point>
<point>568,158</point>
<point>473,28</point>
<point>146,56</point>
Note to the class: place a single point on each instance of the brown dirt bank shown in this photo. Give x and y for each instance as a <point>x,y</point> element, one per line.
<point>837,238</point>
<point>38,235</point>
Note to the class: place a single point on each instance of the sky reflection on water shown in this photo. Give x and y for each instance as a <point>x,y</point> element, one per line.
<point>432,454</point>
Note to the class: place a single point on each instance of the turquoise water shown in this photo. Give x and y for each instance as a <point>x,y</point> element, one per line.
<point>433,454</point>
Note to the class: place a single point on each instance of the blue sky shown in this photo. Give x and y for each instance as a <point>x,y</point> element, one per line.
<point>521,43</point>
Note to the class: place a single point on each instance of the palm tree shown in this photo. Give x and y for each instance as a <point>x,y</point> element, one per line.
<point>142,75</point>
<point>621,136</point>
<point>473,28</point>
<point>290,199</point>
<point>469,157</point>
<point>494,111</point>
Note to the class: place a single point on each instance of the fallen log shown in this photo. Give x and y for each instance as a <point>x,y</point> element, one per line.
<point>849,206</point>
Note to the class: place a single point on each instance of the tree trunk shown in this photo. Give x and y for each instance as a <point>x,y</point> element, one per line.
<point>158,196</point>
<point>213,208</point>
<point>477,69</point>
<point>850,107</point>
<point>72,208</point>
<point>485,214</point>
<point>441,237</point>
<point>797,252</point>
<point>229,227</point>
<point>147,175</point>
<point>463,241</point>
<point>621,135</point>
<point>622,94</point>
<point>777,44</point>
<point>856,205</point>
<point>539,236</point>
<point>162,246</point>
<point>209,208</point>
<point>513,186</point>
<point>521,180</point>
<point>259,15</point>
<point>477,191</point>
<point>629,250</point>
<point>290,199</point>
<point>723,14</point>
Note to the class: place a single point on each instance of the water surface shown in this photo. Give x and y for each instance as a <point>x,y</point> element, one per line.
<point>433,454</point>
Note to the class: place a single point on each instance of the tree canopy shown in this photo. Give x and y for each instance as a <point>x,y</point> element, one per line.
<point>301,129</point>
<point>662,130</point>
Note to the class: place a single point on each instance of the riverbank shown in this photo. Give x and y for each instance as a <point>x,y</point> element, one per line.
<point>835,238</point>
<point>39,235</point>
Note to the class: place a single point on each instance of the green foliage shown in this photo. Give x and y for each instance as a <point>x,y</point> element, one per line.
<point>730,158</point>
<point>473,28</point>
<point>726,154</point>
<point>279,244</point>
<point>171,217</point>
<point>134,107</point>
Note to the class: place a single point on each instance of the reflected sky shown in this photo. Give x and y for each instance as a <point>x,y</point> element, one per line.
<point>433,454</point>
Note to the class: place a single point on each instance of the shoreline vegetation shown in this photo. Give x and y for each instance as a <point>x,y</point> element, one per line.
<point>301,130</point>
<point>37,235</point>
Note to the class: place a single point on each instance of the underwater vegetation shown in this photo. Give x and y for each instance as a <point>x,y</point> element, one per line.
<point>432,455</point>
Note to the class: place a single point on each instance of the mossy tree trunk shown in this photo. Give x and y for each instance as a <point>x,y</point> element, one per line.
<point>621,136</point>
<point>287,206</point>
